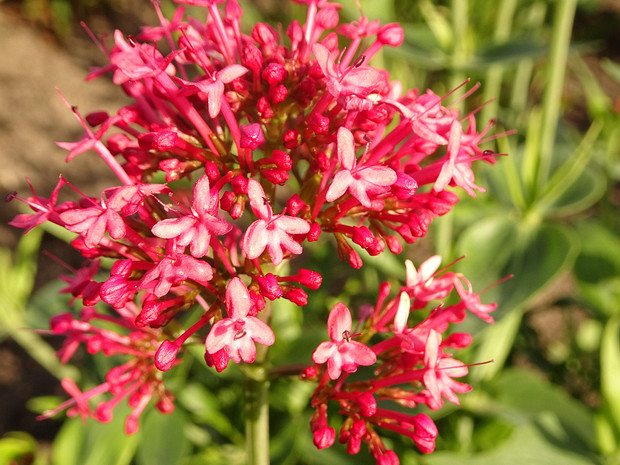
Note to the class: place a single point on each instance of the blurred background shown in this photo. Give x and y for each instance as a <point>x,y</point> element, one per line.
<point>549,71</point>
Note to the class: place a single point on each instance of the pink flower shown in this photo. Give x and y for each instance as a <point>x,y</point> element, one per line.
<point>351,86</point>
<point>269,231</point>
<point>93,222</point>
<point>239,333</point>
<point>458,166</point>
<point>172,270</point>
<point>440,371</point>
<point>45,209</point>
<point>196,228</point>
<point>342,353</point>
<point>133,61</point>
<point>423,284</point>
<point>213,87</point>
<point>472,300</point>
<point>359,180</point>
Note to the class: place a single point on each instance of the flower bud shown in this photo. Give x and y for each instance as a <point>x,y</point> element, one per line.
<point>274,73</point>
<point>319,124</point>
<point>327,18</point>
<point>291,139</point>
<point>424,433</point>
<point>310,279</point>
<point>96,118</point>
<point>166,355</point>
<point>404,187</point>
<point>314,233</point>
<point>391,34</point>
<point>269,286</point>
<point>294,205</point>
<point>252,58</point>
<point>251,136</point>
<point>296,295</point>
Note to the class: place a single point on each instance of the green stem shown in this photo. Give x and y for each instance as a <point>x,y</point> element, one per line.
<point>556,68</point>
<point>493,82</point>
<point>256,409</point>
<point>444,239</point>
<point>256,414</point>
<point>43,353</point>
<point>460,22</point>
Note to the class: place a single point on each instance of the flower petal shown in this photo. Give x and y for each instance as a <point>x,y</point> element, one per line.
<point>238,301</point>
<point>338,322</point>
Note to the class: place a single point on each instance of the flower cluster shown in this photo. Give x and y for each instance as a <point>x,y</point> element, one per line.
<point>413,365</point>
<point>317,142</point>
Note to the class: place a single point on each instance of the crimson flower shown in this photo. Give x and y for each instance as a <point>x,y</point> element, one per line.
<point>342,353</point>
<point>238,333</point>
<point>269,231</point>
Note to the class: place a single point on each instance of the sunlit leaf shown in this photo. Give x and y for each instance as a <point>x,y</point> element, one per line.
<point>164,440</point>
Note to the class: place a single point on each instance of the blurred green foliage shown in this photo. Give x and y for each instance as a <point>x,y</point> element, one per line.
<point>550,216</point>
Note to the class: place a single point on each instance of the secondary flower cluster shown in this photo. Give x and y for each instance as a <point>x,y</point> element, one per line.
<point>412,365</point>
<point>315,141</point>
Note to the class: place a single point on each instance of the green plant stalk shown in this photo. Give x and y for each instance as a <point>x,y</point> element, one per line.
<point>522,78</point>
<point>256,390</point>
<point>556,68</point>
<point>569,172</point>
<point>256,403</point>
<point>460,22</point>
<point>493,82</point>
<point>458,9</point>
<point>43,354</point>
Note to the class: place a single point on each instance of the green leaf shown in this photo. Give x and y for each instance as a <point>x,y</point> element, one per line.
<point>518,48</point>
<point>495,343</point>
<point>17,279</point>
<point>549,427</point>
<point>94,443</point>
<point>498,246</point>
<point>612,69</point>
<point>205,407</point>
<point>527,445</point>
<point>581,195</point>
<point>542,255</point>
<point>17,447</point>
<point>570,171</point>
<point>597,267</point>
<point>41,404</point>
<point>610,372</point>
<point>164,441</point>
<point>524,397</point>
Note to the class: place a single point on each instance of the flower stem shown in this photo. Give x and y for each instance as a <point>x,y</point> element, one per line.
<point>256,400</point>
<point>256,392</point>
<point>556,70</point>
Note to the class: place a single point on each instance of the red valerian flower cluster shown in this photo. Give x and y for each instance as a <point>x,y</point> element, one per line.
<point>316,141</point>
<point>413,365</point>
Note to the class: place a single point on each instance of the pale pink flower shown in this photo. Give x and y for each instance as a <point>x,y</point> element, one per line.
<point>239,333</point>
<point>196,228</point>
<point>358,180</point>
<point>269,231</point>
<point>458,167</point>
<point>472,300</point>
<point>440,371</point>
<point>342,353</point>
